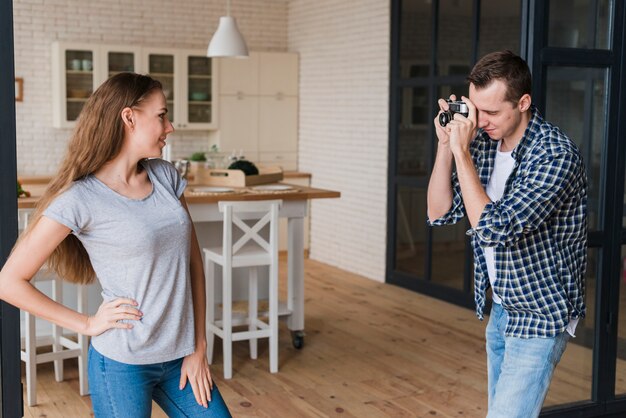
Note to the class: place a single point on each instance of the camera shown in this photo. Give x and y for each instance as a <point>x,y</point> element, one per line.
<point>454,106</point>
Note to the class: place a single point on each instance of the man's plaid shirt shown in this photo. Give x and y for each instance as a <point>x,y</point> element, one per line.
<point>538,230</point>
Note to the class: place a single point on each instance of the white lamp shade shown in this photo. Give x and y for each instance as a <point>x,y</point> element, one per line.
<point>227,41</point>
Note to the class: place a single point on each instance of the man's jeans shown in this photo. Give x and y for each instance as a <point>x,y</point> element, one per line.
<point>120,390</point>
<point>519,370</point>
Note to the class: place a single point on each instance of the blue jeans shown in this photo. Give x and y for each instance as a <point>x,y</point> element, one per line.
<point>127,390</point>
<point>519,370</point>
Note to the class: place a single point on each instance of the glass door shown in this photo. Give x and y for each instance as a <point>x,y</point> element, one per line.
<point>435,45</point>
<point>161,67</point>
<point>121,60</point>
<point>79,80</point>
<point>200,90</point>
<point>577,51</point>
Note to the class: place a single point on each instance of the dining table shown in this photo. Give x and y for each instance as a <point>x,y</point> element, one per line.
<point>202,201</point>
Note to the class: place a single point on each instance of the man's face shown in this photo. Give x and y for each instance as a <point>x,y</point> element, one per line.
<point>498,117</point>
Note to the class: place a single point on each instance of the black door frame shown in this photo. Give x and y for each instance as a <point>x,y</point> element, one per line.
<point>10,365</point>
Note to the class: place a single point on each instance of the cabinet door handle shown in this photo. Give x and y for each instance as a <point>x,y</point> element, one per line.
<point>280,95</point>
<point>239,95</point>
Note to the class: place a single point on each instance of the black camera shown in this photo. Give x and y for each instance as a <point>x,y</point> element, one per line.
<point>454,106</point>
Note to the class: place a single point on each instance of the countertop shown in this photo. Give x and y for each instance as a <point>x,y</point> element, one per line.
<point>37,184</point>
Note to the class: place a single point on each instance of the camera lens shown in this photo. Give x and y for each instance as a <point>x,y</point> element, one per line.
<point>444,118</point>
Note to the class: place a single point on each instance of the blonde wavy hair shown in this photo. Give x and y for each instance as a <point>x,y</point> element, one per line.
<point>97,139</point>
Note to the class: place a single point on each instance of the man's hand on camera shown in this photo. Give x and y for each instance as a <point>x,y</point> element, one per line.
<point>442,133</point>
<point>461,130</point>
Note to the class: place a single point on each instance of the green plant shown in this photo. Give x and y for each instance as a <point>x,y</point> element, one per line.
<point>198,156</point>
<point>21,191</point>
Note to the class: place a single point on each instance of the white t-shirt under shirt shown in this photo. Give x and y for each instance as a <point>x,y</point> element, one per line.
<point>503,167</point>
<point>139,249</point>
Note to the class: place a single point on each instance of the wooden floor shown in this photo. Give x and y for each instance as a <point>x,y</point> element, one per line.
<point>371,350</point>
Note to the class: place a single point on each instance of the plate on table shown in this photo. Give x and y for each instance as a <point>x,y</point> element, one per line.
<point>211,189</point>
<point>273,187</point>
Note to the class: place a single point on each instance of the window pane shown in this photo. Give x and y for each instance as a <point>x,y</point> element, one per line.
<point>415,38</point>
<point>448,258</point>
<point>573,376</point>
<point>580,24</point>
<point>576,102</point>
<point>455,37</point>
<point>411,231</point>
<point>499,26</point>
<point>413,141</point>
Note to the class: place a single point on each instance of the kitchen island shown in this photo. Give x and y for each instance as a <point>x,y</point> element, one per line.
<point>207,219</point>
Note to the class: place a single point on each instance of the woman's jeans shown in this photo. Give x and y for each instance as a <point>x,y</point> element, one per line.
<point>519,370</point>
<point>127,390</point>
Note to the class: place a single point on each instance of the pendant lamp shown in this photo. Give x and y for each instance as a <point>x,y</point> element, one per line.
<point>227,40</point>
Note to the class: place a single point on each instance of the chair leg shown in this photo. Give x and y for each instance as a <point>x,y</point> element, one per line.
<point>83,343</point>
<point>31,360</point>
<point>57,331</point>
<point>253,308</point>
<point>227,318</point>
<point>273,317</point>
<point>209,269</point>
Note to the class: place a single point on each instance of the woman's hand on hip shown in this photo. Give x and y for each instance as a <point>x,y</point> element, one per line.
<point>195,368</point>
<point>110,314</point>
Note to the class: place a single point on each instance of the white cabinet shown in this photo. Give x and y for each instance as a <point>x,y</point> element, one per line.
<point>189,82</point>
<point>78,69</point>
<point>188,78</point>
<point>259,107</point>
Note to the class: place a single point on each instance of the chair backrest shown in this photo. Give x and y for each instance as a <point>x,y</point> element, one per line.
<point>263,212</point>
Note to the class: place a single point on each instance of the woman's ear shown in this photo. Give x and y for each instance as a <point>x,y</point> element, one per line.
<point>524,102</point>
<point>127,117</point>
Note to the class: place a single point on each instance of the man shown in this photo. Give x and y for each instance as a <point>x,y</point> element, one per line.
<point>521,181</point>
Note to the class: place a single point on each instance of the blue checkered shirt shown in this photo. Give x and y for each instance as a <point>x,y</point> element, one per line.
<point>538,230</point>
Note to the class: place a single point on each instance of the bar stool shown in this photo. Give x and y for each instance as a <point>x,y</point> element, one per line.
<point>62,347</point>
<point>250,250</point>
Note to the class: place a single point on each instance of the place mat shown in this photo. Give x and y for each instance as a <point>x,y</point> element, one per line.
<point>234,191</point>
<point>290,190</point>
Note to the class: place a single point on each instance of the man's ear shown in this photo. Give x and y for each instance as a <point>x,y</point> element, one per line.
<point>127,117</point>
<point>524,102</point>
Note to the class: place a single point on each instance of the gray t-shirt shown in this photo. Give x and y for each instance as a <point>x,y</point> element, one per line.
<point>139,249</point>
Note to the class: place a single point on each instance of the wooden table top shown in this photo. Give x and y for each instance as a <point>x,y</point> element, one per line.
<point>245,193</point>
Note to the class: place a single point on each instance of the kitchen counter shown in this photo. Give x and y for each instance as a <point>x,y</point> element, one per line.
<point>37,184</point>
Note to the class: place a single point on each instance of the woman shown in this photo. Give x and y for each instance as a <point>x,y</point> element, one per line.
<point>116,211</point>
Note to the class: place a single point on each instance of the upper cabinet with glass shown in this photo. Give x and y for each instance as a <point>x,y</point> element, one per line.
<point>187,77</point>
<point>74,79</point>
<point>188,84</point>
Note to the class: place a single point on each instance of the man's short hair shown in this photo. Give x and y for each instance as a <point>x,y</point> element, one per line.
<point>506,67</point>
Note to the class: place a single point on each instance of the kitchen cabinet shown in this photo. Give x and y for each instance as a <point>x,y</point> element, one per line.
<point>188,78</point>
<point>189,82</point>
<point>78,69</point>
<point>259,107</point>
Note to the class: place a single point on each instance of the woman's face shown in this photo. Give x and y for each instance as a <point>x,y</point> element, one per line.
<point>150,126</point>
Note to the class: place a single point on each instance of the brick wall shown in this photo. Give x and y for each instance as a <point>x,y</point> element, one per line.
<point>344,113</point>
<point>183,24</point>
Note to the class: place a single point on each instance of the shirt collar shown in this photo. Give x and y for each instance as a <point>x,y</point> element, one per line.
<point>529,134</point>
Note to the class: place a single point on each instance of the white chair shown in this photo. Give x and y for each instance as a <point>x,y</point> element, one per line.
<point>62,347</point>
<point>251,250</point>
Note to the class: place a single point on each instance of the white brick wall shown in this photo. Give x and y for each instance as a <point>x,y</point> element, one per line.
<point>344,118</point>
<point>181,23</point>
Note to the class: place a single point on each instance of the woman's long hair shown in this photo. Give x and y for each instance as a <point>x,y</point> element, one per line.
<point>97,139</point>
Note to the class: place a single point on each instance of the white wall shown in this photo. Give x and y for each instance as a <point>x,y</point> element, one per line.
<point>344,114</point>
<point>181,24</point>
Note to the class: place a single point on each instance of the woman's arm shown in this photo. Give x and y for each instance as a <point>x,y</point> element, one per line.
<point>27,258</point>
<point>196,366</point>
